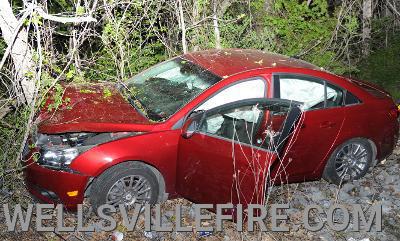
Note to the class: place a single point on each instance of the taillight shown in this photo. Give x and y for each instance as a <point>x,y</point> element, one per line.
<point>395,112</point>
<point>398,110</point>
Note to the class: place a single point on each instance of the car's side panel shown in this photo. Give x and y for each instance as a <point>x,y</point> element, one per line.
<point>223,166</point>
<point>370,121</point>
<point>312,143</point>
<point>158,149</point>
<point>213,170</point>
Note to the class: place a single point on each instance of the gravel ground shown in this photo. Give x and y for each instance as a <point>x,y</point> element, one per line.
<point>382,186</point>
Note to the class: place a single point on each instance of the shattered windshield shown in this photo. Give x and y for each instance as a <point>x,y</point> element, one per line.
<point>163,89</point>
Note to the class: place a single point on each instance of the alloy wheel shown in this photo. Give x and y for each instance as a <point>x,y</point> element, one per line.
<point>351,161</point>
<point>129,190</point>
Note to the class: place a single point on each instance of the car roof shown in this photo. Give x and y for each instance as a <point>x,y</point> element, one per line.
<point>226,62</point>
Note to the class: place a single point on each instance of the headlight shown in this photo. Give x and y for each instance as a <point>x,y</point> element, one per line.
<point>58,151</point>
<point>59,159</point>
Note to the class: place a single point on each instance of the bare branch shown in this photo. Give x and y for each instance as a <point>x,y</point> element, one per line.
<point>65,19</point>
<point>393,8</point>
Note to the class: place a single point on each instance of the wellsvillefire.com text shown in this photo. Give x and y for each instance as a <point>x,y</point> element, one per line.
<point>252,218</point>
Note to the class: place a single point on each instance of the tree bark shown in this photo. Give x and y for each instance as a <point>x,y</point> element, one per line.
<point>183,27</point>
<point>196,17</point>
<point>366,30</point>
<point>216,27</point>
<point>21,52</point>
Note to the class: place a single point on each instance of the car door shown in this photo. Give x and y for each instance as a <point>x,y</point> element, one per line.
<point>322,119</point>
<point>227,158</point>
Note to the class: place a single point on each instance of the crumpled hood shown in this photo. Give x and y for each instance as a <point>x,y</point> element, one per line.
<point>93,108</point>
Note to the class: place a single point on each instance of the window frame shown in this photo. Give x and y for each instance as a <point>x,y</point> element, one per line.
<point>231,85</point>
<point>276,88</point>
<point>345,96</point>
<point>256,128</point>
<point>242,103</point>
<point>181,121</point>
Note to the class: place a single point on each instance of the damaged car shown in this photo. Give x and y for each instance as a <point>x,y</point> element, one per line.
<point>215,126</point>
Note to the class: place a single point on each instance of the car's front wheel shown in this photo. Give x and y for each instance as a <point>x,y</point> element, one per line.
<point>350,161</point>
<point>128,183</point>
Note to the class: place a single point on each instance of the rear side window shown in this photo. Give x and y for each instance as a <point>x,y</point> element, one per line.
<point>351,99</point>
<point>314,93</point>
<point>310,92</point>
<point>334,96</point>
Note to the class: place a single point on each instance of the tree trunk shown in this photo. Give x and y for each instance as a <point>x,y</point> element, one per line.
<point>366,30</point>
<point>183,27</point>
<point>21,53</point>
<point>216,27</point>
<point>196,17</point>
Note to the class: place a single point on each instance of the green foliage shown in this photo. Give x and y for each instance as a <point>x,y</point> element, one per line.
<point>292,28</point>
<point>11,137</point>
<point>80,10</point>
<point>86,91</point>
<point>55,93</point>
<point>72,75</point>
<point>106,93</point>
<point>383,65</point>
<point>303,30</point>
<point>128,44</point>
<point>3,47</point>
<point>56,97</point>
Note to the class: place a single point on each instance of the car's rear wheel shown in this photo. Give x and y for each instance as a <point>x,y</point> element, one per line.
<point>350,161</point>
<point>128,183</point>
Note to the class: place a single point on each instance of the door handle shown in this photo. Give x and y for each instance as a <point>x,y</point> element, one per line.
<point>327,124</point>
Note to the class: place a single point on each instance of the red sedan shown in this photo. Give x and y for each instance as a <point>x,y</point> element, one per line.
<point>215,126</point>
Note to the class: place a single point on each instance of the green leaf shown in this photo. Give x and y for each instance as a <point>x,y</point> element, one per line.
<point>80,10</point>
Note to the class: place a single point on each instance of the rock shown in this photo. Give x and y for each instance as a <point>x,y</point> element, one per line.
<point>317,194</point>
<point>117,236</point>
<point>387,207</point>
<point>347,187</point>
<point>344,195</point>
<point>177,236</point>
<point>365,192</point>
<point>325,203</point>
<point>298,201</point>
<point>151,235</point>
<point>391,179</point>
<point>326,237</point>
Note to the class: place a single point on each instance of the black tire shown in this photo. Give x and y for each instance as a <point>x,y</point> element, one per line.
<point>111,178</point>
<point>342,168</point>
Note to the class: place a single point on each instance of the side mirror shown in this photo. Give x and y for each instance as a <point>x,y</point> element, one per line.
<point>192,125</point>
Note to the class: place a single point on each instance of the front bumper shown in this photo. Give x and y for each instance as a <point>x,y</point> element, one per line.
<point>53,186</point>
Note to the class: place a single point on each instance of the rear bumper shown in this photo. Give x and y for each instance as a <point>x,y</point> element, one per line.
<point>51,186</point>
